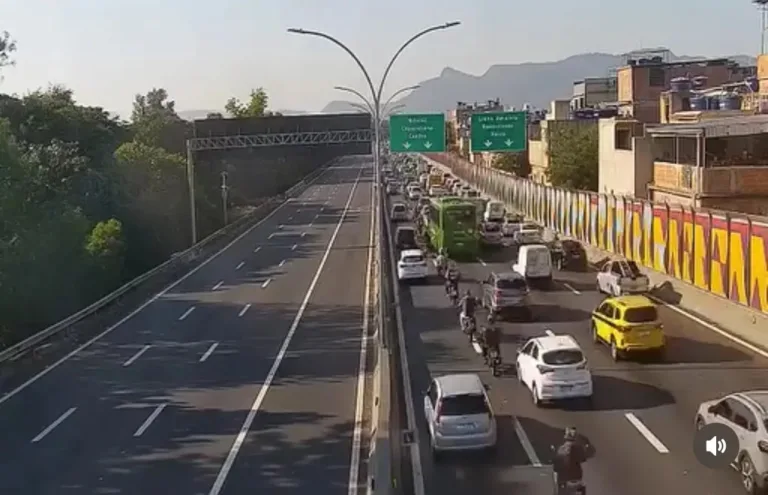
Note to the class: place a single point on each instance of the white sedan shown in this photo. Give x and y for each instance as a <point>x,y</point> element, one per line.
<point>620,276</point>
<point>553,367</point>
<point>412,265</point>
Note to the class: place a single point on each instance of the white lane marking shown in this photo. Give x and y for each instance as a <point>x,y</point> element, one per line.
<point>244,310</point>
<point>354,462</point>
<point>549,332</point>
<point>710,326</point>
<point>293,248</point>
<point>303,234</point>
<point>149,420</point>
<point>317,216</point>
<point>570,288</point>
<point>648,434</point>
<point>240,265</point>
<point>280,227</point>
<point>266,283</point>
<point>526,443</point>
<point>216,287</point>
<point>271,235</point>
<point>298,210</point>
<point>282,263</point>
<point>53,425</point>
<point>208,353</point>
<point>482,262</point>
<point>154,298</point>
<point>186,313</point>
<point>310,224</point>
<point>238,443</point>
<point>258,248</point>
<point>290,218</point>
<point>137,355</point>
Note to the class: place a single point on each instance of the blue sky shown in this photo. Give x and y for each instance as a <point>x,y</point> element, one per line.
<point>203,52</point>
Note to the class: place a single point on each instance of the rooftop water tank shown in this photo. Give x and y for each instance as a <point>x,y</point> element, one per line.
<point>699,103</point>
<point>699,82</point>
<point>730,101</point>
<point>680,84</point>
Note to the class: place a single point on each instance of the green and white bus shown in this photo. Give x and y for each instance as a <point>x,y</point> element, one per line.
<point>451,224</point>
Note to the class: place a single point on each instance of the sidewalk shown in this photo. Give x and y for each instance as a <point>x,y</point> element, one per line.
<point>740,324</point>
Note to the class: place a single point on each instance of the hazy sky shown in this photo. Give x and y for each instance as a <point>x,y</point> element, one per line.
<point>203,52</point>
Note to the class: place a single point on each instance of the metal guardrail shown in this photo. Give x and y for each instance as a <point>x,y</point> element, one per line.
<point>19,349</point>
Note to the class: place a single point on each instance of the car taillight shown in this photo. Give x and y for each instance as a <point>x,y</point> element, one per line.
<point>763,446</point>
<point>544,369</point>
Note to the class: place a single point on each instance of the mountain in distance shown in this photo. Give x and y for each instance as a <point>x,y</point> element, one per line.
<point>536,83</point>
<point>201,114</point>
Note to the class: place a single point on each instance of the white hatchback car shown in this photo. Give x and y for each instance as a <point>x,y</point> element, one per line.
<point>746,413</point>
<point>412,265</point>
<point>459,414</point>
<point>553,367</point>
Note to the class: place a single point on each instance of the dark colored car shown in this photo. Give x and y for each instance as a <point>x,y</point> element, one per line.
<point>405,238</point>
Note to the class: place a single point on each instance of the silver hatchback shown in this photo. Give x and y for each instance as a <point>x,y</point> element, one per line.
<point>459,415</point>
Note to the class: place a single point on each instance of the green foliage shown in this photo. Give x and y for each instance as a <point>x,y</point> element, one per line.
<point>7,47</point>
<point>514,163</point>
<point>573,156</point>
<point>256,106</point>
<point>105,241</point>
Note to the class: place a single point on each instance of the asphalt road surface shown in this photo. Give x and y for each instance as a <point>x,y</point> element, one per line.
<point>641,422</point>
<point>243,378</point>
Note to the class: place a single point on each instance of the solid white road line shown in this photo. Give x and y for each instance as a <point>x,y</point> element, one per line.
<point>238,443</point>
<point>354,462</point>
<point>186,313</point>
<point>244,310</point>
<point>149,420</point>
<point>293,248</point>
<point>648,434</point>
<point>282,263</point>
<point>240,265</point>
<point>570,288</point>
<point>137,355</point>
<point>154,298</point>
<point>208,353</point>
<point>266,283</point>
<point>526,443</point>
<point>53,425</point>
<point>216,287</point>
<point>258,248</point>
<point>482,262</point>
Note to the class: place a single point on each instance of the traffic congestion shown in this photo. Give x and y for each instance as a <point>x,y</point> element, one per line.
<point>525,359</point>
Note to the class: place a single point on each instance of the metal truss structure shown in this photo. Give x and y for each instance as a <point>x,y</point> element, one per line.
<point>282,139</point>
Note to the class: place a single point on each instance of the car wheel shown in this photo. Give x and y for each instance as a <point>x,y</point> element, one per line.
<point>535,395</point>
<point>747,472</point>
<point>615,354</point>
<point>595,336</point>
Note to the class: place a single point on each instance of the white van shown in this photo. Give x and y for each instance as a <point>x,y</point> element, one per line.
<point>494,211</point>
<point>534,262</point>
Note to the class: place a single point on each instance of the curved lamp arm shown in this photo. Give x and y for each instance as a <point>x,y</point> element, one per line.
<point>399,92</point>
<point>358,94</point>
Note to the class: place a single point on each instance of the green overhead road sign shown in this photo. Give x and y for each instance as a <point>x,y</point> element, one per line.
<point>417,133</point>
<point>499,131</point>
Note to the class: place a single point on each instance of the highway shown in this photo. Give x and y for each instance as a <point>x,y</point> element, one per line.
<point>248,376</point>
<point>641,422</point>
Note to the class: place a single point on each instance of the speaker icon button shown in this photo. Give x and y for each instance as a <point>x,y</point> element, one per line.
<point>715,445</point>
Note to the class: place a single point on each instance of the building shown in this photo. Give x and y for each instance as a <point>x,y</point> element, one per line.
<point>593,92</point>
<point>459,119</point>
<point>539,144</point>
<point>717,163</point>
<point>642,81</point>
<point>625,158</point>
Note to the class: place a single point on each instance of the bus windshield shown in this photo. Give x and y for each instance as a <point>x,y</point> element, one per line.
<point>461,215</point>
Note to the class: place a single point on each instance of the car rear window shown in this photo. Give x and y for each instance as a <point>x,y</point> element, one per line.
<point>463,405</point>
<point>517,283</point>
<point>633,269</point>
<point>413,259</point>
<point>645,314</point>
<point>562,357</point>
<point>399,207</point>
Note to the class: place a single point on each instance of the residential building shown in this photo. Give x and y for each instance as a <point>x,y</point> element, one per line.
<point>716,163</point>
<point>625,158</point>
<point>539,144</point>
<point>592,92</point>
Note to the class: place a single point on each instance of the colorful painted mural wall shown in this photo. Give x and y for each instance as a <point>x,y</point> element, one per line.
<point>723,253</point>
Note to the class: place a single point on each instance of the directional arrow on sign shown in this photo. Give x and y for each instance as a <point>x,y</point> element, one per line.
<point>427,144</point>
<point>487,143</point>
<point>508,142</point>
<point>406,145</point>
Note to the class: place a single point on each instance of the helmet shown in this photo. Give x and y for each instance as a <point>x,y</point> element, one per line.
<point>570,433</point>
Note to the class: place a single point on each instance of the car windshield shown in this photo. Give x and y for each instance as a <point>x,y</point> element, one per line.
<point>562,357</point>
<point>399,208</point>
<point>463,405</point>
<point>633,269</point>
<point>413,259</point>
<point>516,283</point>
<point>472,194</point>
<point>644,314</point>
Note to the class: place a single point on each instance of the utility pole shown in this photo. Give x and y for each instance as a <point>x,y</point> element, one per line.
<point>224,196</point>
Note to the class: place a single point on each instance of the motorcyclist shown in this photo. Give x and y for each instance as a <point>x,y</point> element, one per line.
<point>468,304</point>
<point>489,340</point>
<point>569,457</point>
<point>442,260</point>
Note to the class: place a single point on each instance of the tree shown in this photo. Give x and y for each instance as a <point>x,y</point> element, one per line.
<point>214,115</point>
<point>156,123</point>
<point>256,106</point>
<point>573,155</point>
<point>7,47</point>
<point>514,163</point>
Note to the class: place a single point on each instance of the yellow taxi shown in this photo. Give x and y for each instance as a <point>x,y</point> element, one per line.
<point>628,324</point>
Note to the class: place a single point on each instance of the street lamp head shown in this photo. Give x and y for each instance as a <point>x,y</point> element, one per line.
<point>451,24</point>
<point>296,31</point>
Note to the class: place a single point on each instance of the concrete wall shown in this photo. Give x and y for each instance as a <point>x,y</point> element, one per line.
<point>623,172</point>
<point>719,252</point>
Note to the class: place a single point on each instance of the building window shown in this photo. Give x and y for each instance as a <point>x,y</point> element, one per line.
<point>656,77</point>
<point>623,139</point>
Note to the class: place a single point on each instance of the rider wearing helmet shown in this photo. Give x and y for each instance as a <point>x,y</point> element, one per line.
<point>490,337</point>
<point>569,458</point>
<point>468,304</point>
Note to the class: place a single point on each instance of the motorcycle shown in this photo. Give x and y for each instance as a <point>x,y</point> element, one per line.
<point>468,326</point>
<point>453,295</point>
<point>493,360</point>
